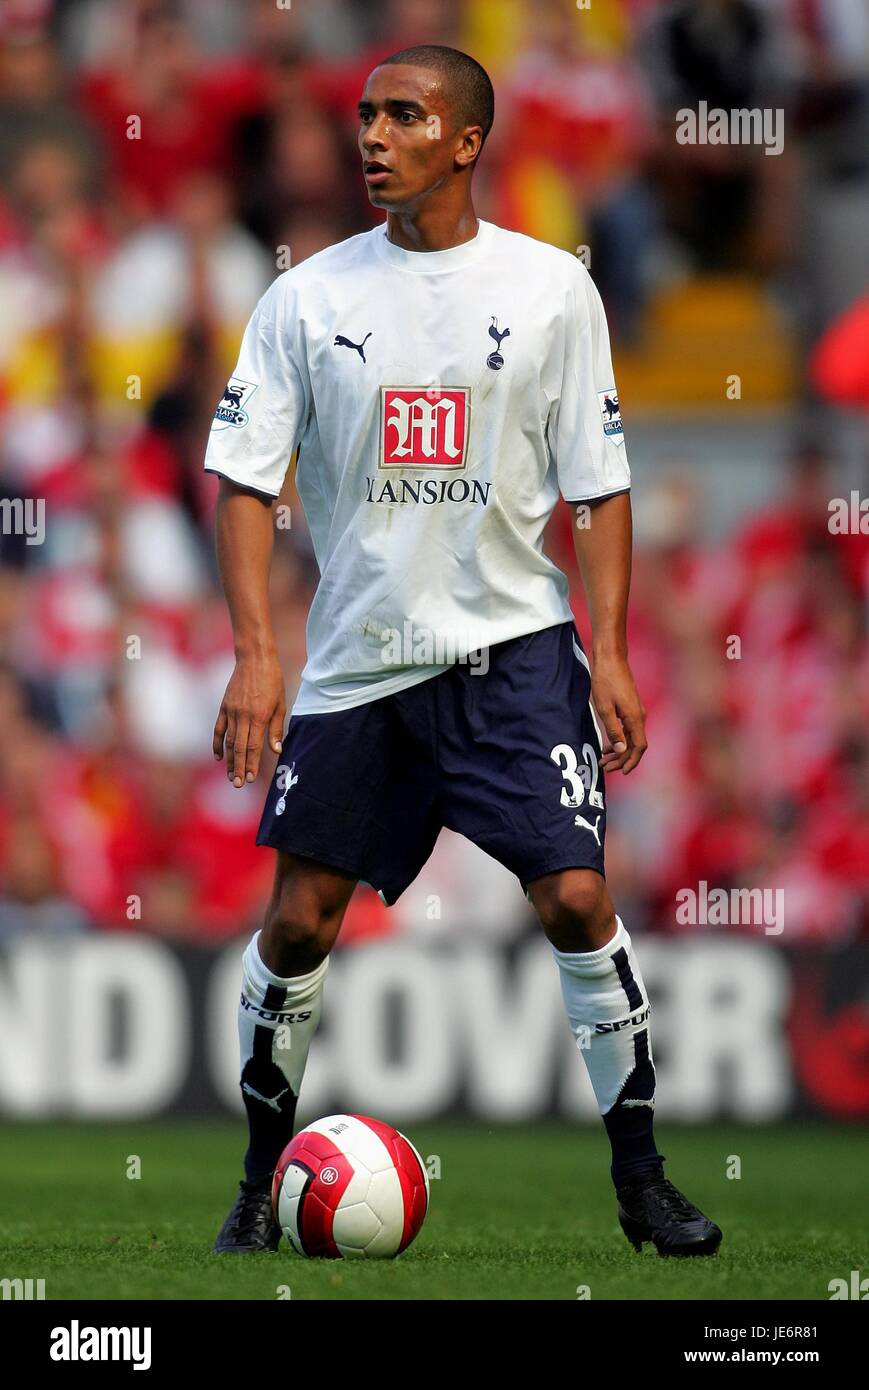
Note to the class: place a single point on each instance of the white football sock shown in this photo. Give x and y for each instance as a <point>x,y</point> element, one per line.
<point>277,1019</point>
<point>608,1011</point>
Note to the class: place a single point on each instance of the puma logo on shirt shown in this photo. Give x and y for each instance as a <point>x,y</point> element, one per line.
<point>341,341</point>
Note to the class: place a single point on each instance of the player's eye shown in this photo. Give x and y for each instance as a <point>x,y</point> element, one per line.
<point>409,115</point>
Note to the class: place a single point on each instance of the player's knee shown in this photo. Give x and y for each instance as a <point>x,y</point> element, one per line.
<point>299,930</point>
<point>575,909</point>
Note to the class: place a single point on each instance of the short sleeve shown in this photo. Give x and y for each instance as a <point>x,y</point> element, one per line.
<point>261,415</point>
<point>585,424</point>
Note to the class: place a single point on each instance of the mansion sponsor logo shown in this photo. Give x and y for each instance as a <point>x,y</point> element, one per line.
<point>738,907</point>
<point>742,126</point>
<point>422,646</point>
<point>424,427</point>
<point>426,492</point>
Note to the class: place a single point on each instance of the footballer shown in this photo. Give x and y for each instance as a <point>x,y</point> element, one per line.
<point>442,381</point>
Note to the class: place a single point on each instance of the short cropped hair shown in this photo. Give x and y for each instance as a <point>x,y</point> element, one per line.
<point>469,84</point>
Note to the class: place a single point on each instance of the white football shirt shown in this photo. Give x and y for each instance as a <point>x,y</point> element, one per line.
<point>439,401</point>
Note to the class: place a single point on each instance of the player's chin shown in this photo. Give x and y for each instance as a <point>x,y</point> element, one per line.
<point>381,198</point>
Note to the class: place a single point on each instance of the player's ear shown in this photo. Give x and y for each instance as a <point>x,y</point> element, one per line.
<point>470,143</point>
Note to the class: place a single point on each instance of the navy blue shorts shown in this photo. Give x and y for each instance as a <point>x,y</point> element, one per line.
<point>509,758</point>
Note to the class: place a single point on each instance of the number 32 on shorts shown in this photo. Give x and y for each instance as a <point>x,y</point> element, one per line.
<point>580,778</point>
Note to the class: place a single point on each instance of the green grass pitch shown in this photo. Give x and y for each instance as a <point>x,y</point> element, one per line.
<point>520,1213</point>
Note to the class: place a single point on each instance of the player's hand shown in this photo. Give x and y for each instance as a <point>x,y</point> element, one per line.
<point>620,712</point>
<point>252,710</point>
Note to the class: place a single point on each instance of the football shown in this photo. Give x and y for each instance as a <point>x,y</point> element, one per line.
<point>350,1187</point>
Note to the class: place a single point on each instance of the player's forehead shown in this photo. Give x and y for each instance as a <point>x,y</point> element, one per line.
<point>394,83</point>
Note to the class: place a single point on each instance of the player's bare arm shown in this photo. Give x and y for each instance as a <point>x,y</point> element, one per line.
<point>603,553</point>
<point>254,704</point>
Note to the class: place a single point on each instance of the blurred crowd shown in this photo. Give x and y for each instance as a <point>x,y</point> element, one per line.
<point>159,162</point>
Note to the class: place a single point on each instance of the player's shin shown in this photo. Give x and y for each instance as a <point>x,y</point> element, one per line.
<point>608,1010</point>
<point>277,1019</point>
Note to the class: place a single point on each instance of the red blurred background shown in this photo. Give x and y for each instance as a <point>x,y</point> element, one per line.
<point>158,160</point>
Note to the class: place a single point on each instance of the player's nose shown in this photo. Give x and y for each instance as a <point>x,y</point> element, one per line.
<point>374,136</point>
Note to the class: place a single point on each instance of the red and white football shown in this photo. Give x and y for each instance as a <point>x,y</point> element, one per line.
<point>349,1187</point>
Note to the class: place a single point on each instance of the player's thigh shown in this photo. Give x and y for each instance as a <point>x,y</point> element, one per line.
<point>353,792</point>
<point>520,754</point>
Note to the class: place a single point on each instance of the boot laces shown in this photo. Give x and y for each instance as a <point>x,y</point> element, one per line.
<point>670,1198</point>
<point>248,1213</point>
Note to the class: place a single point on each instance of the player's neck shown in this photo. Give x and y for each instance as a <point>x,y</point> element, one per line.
<point>432,229</point>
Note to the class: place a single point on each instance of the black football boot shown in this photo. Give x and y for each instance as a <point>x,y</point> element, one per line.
<point>651,1208</point>
<point>250,1225</point>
